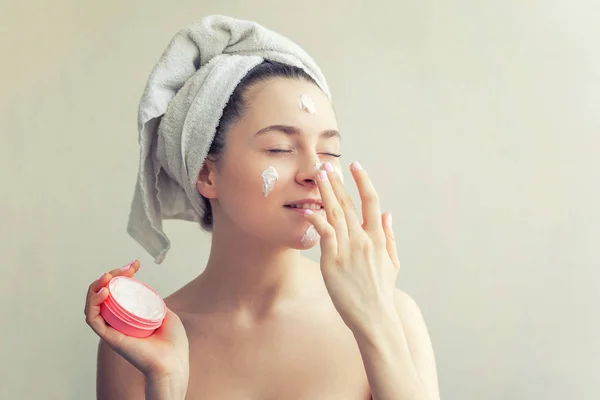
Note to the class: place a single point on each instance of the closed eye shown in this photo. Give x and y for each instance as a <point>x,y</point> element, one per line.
<point>290,151</point>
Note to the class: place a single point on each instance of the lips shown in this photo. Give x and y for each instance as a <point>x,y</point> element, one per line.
<point>302,210</point>
<point>315,207</point>
<point>309,202</point>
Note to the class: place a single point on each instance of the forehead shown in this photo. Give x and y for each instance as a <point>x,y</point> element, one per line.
<point>277,101</point>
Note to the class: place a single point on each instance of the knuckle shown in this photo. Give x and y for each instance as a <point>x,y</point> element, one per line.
<point>347,202</point>
<point>371,197</point>
<point>336,213</point>
<point>365,246</point>
<point>362,244</point>
<point>328,232</point>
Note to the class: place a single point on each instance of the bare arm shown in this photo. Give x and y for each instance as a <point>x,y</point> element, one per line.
<point>117,379</point>
<point>398,355</point>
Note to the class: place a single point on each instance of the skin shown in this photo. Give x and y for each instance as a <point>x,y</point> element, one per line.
<point>263,321</point>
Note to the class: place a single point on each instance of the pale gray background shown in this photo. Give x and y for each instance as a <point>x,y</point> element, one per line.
<point>479,122</point>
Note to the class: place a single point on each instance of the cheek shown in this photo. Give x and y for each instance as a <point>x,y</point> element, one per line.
<point>244,190</point>
<point>243,185</point>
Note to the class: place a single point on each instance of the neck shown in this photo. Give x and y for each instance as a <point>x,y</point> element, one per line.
<point>248,274</point>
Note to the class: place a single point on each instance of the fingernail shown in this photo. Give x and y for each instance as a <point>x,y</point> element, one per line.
<point>125,268</point>
<point>308,212</point>
<point>328,167</point>
<point>101,290</point>
<point>323,175</point>
<point>356,166</point>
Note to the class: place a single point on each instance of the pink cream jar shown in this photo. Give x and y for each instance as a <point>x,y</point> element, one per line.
<point>132,307</point>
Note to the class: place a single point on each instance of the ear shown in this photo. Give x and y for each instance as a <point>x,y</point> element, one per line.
<point>206,182</point>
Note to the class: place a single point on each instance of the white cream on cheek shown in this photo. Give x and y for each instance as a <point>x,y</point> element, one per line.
<point>269,177</point>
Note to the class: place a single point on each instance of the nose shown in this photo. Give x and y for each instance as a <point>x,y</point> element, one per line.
<point>307,171</point>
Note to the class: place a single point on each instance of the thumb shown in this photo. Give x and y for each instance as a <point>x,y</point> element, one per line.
<point>390,240</point>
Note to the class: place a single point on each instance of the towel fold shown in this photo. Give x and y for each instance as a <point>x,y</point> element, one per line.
<point>180,110</point>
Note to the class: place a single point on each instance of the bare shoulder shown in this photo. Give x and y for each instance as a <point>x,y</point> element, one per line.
<point>182,303</point>
<point>418,340</point>
<point>412,319</point>
<point>405,304</point>
<point>179,301</point>
<point>116,378</point>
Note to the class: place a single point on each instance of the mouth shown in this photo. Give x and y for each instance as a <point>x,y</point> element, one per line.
<point>302,207</point>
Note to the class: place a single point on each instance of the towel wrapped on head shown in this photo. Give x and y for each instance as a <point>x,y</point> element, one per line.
<point>180,110</point>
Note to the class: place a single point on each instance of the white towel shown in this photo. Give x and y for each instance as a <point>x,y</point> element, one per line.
<point>180,110</point>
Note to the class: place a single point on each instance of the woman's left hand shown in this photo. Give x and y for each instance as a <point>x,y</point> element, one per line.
<point>359,262</point>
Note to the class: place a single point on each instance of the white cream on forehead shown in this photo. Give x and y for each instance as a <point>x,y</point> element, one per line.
<point>269,176</point>
<point>137,298</point>
<point>310,236</point>
<point>307,104</point>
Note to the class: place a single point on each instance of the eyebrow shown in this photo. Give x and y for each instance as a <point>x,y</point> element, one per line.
<point>293,131</point>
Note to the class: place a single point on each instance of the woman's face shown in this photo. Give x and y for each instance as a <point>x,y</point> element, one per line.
<point>282,132</point>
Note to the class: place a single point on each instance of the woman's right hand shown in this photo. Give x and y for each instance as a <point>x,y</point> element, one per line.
<point>164,354</point>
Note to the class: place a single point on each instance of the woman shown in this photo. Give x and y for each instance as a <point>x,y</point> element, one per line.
<point>262,321</point>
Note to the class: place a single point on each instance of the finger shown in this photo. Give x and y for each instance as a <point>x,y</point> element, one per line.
<point>371,209</point>
<point>93,288</point>
<point>95,320</point>
<point>92,312</point>
<point>333,210</point>
<point>343,197</point>
<point>390,242</point>
<point>328,241</point>
<point>127,270</point>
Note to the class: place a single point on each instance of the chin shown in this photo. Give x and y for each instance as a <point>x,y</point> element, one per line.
<point>300,246</point>
<point>302,242</point>
<point>284,233</point>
